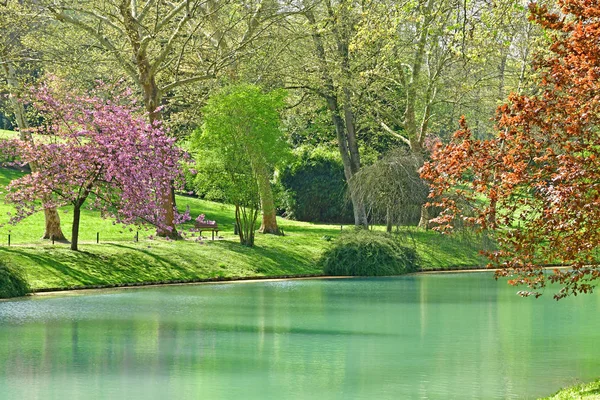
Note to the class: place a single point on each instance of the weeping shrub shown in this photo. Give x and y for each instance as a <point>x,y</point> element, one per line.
<point>12,282</point>
<point>367,253</point>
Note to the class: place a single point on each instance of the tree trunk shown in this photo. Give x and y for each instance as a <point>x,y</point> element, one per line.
<point>424,220</point>
<point>52,229</point>
<point>152,97</point>
<point>360,212</point>
<point>245,223</point>
<point>75,229</point>
<point>151,100</point>
<point>269,219</point>
<point>346,145</point>
<point>388,220</point>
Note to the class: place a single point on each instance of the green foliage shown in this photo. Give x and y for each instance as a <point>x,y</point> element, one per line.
<point>314,187</point>
<point>368,253</point>
<point>242,124</point>
<point>12,282</point>
<point>237,149</point>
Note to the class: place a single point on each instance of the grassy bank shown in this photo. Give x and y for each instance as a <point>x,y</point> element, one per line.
<point>118,259</point>
<point>588,391</point>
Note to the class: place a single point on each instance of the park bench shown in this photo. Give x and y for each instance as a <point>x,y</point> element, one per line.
<point>203,226</point>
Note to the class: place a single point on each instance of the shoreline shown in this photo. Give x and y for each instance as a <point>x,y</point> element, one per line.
<point>248,279</point>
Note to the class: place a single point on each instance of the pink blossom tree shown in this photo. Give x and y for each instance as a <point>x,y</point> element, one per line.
<point>100,151</point>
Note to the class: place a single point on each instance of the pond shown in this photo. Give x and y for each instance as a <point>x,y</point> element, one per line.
<point>422,336</point>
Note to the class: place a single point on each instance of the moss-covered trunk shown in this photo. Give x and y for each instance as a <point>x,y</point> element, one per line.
<point>269,218</point>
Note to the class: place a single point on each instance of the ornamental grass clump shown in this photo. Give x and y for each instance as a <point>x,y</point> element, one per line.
<point>367,253</point>
<point>12,282</point>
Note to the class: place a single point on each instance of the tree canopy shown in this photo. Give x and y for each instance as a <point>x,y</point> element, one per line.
<point>536,184</point>
<point>96,149</point>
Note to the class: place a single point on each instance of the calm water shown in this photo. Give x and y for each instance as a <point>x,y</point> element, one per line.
<point>418,337</point>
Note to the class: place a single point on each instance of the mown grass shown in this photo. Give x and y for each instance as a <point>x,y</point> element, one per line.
<point>587,391</point>
<point>118,259</point>
<point>4,134</point>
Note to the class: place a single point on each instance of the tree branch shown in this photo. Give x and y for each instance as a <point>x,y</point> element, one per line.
<point>394,133</point>
<point>186,81</point>
<point>62,17</point>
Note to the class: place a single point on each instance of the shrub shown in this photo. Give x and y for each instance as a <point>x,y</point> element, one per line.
<point>12,282</point>
<point>367,253</point>
<point>314,188</point>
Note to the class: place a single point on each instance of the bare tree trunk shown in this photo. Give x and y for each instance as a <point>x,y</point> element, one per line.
<point>388,220</point>
<point>75,229</point>
<point>358,207</point>
<point>424,220</point>
<point>346,140</point>
<point>269,219</point>
<point>52,228</point>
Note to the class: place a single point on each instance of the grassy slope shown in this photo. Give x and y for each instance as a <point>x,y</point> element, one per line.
<point>588,391</point>
<point>118,259</point>
<point>4,134</point>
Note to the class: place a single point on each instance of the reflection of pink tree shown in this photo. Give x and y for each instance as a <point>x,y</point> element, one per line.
<point>99,150</point>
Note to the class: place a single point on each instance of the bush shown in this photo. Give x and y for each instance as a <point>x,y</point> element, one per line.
<point>367,253</point>
<point>314,188</point>
<point>12,283</point>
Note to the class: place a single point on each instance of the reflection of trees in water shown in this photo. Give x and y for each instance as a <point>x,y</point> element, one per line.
<point>345,337</point>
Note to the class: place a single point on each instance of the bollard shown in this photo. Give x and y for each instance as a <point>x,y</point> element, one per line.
<point>97,237</point>
<point>9,239</point>
<point>137,236</point>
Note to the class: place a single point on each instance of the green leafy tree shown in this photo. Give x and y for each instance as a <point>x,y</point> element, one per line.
<point>242,130</point>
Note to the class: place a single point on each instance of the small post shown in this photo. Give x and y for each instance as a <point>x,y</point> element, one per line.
<point>52,239</point>
<point>341,228</point>
<point>9,239</point>
<point>97,237</point>
<point>137,236</point>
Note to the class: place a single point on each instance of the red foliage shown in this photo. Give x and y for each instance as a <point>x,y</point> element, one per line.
<point>541,173</point>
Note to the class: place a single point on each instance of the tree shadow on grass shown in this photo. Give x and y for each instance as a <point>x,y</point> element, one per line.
<point>272,261</point>
<point>84,268</point>
<point>55,267</point>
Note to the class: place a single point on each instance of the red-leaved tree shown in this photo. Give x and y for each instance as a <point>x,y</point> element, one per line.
<point>536,185</point>
<point>96,150</point>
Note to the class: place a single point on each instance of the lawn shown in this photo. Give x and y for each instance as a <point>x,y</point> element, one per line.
<point>119,259</point>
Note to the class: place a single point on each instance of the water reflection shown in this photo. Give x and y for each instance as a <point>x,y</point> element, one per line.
<point>435,336</point>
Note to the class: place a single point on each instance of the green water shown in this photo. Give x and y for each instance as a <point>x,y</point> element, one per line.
<point>417,337</point>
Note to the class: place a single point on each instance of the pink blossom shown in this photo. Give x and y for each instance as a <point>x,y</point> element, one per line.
<point>97,150</point>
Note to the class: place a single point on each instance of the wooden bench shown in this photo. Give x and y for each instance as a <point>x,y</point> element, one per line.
<point>202,226</point>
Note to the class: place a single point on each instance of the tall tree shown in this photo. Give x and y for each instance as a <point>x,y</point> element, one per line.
<point>436,56</point>
<point>331,28</point>
<point>538,176</point>
<point>243,122</point>
<point>12,52</point>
